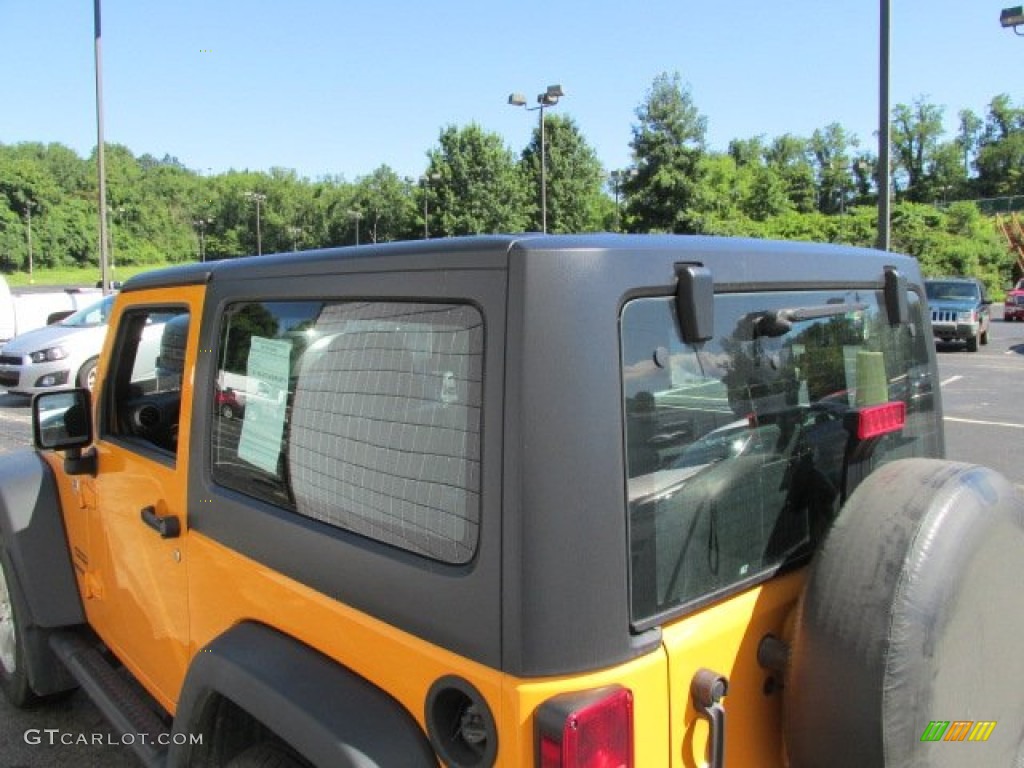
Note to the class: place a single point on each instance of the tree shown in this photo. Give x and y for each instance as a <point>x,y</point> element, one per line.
<point>916,131</point>
<point>481,187</point>
<point>574,177</point>
<point>789,156</point>
<point>1000,160</point>
<point>388,210</point>
<point>668,144</point>
<point>830,149</point>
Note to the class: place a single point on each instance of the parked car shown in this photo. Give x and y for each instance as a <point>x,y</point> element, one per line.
<point>64,355</point>
<point>58,356</point>
<point>1013,304</point>
<point>960,310</point>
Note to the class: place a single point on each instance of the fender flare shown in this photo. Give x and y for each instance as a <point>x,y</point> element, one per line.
<point>325,712</point>
<point>32,533</point>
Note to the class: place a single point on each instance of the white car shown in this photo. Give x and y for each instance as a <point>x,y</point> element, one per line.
<point>64,355</point>
<point>58,356</point>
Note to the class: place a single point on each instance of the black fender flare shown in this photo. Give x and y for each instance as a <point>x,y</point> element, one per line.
<point>34,547</point>
<point>325,712</point>
<point>32,533</point>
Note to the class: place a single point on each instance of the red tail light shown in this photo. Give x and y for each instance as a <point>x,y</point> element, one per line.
<point>592,729</point>
<point>876,420</point>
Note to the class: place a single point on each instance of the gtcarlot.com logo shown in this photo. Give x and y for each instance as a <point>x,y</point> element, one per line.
<point>958,730</point>
<point>54,737</point>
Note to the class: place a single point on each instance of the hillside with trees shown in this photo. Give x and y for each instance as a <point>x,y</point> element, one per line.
<point>820,187</point>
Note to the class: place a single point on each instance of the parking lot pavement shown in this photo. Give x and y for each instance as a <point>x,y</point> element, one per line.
<point>15,422</point>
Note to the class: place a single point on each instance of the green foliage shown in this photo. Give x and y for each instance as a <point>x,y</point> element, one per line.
<point>574,177</point>
<point>481,188</point>
<point>668,145</point>
<point>819,188</point>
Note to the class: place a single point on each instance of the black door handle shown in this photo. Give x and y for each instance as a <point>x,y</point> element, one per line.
<point>168,527</point>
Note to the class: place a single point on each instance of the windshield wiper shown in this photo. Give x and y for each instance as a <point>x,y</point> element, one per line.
<point>780,322</point>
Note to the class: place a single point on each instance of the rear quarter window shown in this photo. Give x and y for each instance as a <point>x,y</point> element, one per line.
<point>364,416</point>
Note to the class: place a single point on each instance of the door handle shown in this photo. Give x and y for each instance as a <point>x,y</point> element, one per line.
<point>168,527</point>
<point>706,690</point>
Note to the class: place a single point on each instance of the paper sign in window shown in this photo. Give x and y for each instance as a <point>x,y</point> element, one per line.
<point>266,398</point>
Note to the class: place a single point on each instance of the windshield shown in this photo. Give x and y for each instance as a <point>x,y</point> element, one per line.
<point>951,291</point>
<point>94,314</point>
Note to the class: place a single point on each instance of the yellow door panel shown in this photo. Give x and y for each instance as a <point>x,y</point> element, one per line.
<point>724,638</point>
<point>136,580</point>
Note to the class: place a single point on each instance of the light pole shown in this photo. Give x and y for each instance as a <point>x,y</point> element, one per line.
<point>425,180</point>
<point>101,170</point>
<point>1012,18</point>
<point>547,99</point>
<point>115,215</point>
<point>356,215</point>
<point>29,205</point>
<point>884,143</point>
<point>618,177</point>
<point>201,225</point>
<point>296,233</point>
<point>258,198</point>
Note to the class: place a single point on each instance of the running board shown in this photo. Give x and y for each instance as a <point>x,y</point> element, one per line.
<point>121,704</point>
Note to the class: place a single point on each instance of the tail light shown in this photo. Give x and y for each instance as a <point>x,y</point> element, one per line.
<point>591,729</point>
<point>876,420</point>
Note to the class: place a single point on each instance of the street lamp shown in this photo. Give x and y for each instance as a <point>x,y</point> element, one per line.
<point>115,215</point>
<point>258,198</point>
<point>296,233</point>
<point>357,215</point>
<point>549,98</point>
<point>425,180</point>
<point>201,225</point>
<point>101,168</point>
<point>884,170</point>
<point>1012,18</point>
<point>29,205</point>
<point>618,177</point>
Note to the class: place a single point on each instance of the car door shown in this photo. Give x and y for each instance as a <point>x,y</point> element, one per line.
<point>136,550</point>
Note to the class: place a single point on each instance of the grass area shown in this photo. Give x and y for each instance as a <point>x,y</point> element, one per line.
<point>82,276</point>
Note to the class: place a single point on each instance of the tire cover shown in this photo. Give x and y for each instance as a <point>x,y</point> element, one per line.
<point>913,612</point>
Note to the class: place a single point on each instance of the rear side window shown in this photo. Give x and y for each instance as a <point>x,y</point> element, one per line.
<point>361,415</point>
<point>737,449</point>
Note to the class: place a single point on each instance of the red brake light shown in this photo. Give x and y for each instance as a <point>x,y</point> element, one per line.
<point>593,729</point>
<point>876,420</point>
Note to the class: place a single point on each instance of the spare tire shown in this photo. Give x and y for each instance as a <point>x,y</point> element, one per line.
<point>913,612</point>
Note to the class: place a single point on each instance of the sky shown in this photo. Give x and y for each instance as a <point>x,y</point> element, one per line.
<point>335,88</point>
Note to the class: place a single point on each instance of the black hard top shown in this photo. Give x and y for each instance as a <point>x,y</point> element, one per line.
<point>732,260</point>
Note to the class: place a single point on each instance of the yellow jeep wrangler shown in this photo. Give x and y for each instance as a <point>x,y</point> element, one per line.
<point>552,501</point>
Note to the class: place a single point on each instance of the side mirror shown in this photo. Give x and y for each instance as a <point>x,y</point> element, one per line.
<point>63,421</point>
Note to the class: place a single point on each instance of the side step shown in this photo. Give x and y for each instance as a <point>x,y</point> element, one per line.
<point>122,705</point>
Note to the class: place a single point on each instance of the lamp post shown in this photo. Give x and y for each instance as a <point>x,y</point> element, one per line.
<point>618,177</point>
<point>101,171</point>
<point>296,233</point>
<point>258,198</point>
<point>356,215</point>
<point>425,180</point>
<point>115,216</point>
<point>547,99</point>
<point>29,205</point>
<point>201,224</point>
<point>884,144</point>
<point>1012,18</point>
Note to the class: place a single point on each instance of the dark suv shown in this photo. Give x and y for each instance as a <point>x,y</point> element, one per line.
<point>960,309</point>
